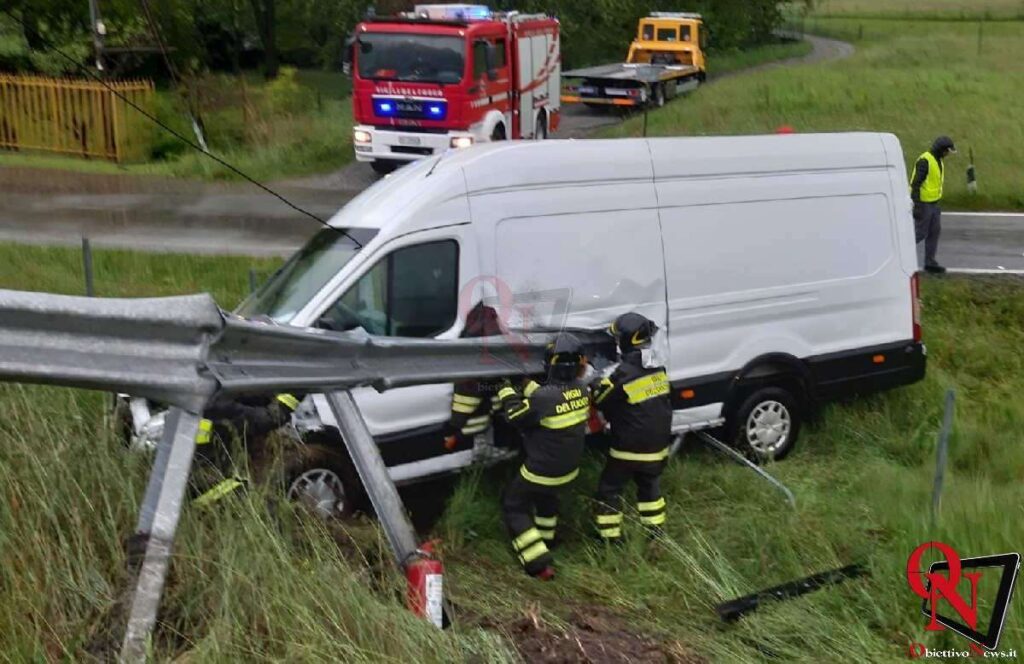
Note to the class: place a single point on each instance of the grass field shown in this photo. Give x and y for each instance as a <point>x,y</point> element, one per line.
<point>934,9</point>
<point>732,61</point>
<point>917,79</point>
<point>267,585</point>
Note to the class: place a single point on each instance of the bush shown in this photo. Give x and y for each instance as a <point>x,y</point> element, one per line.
<point>284,95</point>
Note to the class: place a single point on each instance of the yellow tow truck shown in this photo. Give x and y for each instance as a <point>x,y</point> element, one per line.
<point>665,59</point>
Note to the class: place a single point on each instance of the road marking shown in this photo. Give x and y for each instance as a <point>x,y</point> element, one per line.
<point>971,270</point>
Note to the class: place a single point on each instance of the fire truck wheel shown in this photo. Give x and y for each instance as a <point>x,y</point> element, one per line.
<point>499,133</point>
<point>383,166</point>
<point>323,480</point>
<point>542,127</point>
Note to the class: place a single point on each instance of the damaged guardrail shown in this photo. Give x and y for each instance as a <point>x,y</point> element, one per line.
<point>183,351</point>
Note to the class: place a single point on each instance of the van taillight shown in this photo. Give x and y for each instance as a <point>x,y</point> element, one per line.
<point>915,303</point>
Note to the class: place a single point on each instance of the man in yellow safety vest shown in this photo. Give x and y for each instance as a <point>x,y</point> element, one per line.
<point>926,191</point>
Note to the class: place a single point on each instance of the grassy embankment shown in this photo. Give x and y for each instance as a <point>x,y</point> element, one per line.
<point>258,585</point>
<point>915,78</point>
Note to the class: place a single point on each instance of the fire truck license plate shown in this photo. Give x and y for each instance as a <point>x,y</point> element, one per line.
<point>409,140</point>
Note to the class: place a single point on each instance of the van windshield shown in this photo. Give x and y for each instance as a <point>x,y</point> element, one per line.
<point>304,274</point>
<point>410,57</point>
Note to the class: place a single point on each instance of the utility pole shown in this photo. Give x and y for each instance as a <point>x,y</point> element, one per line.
<point>98,30</point>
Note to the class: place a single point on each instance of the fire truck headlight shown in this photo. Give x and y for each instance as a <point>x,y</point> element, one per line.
<point>462,142</point>
<point>361,136</point>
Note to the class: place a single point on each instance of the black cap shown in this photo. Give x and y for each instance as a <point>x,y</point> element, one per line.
<point>942,144</point>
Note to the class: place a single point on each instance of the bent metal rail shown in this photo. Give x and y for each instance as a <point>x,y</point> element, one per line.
<point>185,350</point>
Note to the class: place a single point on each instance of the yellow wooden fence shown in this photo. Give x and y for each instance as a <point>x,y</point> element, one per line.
<point>76,117</point>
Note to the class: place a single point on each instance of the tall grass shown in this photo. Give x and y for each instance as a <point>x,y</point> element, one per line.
<point>254,583</point>
<point>917,79</point>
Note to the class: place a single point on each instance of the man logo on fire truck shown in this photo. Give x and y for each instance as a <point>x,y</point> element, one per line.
<point>970,594</point>
<point>449,76</point>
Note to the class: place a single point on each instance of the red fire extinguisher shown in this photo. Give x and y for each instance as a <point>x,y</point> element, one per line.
<point>424,577</point>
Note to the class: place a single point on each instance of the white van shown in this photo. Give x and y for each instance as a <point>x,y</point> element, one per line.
<point>781,270</point>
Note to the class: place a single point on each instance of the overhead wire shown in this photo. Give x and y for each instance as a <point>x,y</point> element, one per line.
<point>231,167</point>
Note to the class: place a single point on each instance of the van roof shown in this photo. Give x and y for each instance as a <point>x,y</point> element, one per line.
<point>493,167</point>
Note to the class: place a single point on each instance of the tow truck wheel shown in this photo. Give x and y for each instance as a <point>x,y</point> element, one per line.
<point>383,166</point>
<point>321,479</point>
<point>658,96</point>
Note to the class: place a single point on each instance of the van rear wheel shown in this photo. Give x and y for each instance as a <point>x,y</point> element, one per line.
<point>767,424</point>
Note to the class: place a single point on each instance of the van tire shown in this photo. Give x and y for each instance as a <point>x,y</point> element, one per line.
<point>383,166</point>
<point>767,424</point>
<point>321,478</point>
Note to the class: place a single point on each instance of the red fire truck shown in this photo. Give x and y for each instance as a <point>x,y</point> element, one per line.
<point>449,76</point>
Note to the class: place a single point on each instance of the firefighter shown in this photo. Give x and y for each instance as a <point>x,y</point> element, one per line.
<point>250,419</point>
<point>926,191</point>
<point>553,420</point>
<point>474,402</point>
<point>635,401</point>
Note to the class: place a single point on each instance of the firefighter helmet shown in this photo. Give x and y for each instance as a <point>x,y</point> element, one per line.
<point>564,357</point>
<point>633,331</point>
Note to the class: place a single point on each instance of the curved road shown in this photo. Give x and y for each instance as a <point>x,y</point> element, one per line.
<point>159,214</point>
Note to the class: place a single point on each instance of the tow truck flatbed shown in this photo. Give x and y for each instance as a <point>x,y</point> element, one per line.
<point>665,59</point>
<point>626,84</point>
<point>624,71</point>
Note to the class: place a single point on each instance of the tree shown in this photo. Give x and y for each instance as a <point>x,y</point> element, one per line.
<point>264,12</point>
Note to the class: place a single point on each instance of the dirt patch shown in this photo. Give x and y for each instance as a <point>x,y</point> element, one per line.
<point>593,636</point>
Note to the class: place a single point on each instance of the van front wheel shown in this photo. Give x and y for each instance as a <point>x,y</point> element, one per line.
<point>322,480</point>
<point>767,424</point>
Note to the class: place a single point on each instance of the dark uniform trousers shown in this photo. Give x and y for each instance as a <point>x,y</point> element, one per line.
<point>553,420</point>
<point>650,503</point>
<point>635,400</point>
<point>927,228</point>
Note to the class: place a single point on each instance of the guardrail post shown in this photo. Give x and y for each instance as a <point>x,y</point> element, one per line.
<point>387,504</point>
<point>158,522</point>
<point>941,453</point>
<point>90,289</point>
<point>374,475</point>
